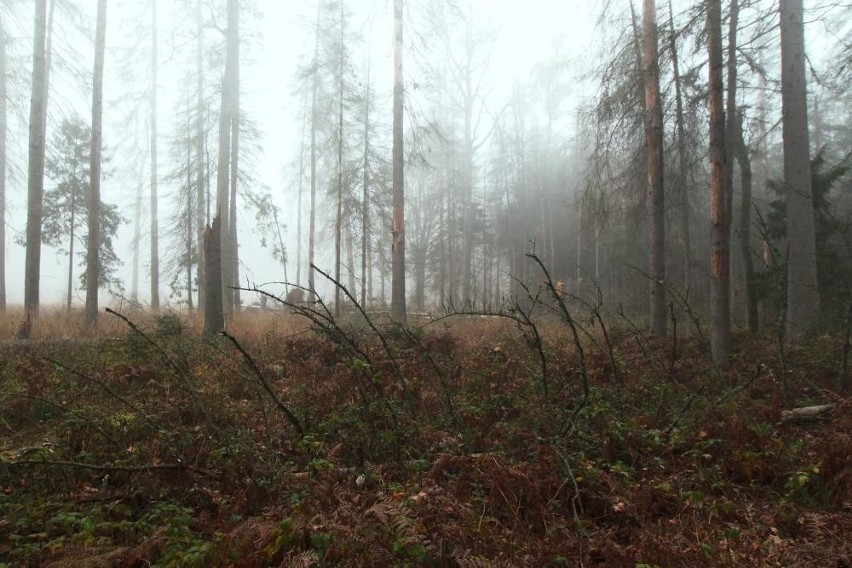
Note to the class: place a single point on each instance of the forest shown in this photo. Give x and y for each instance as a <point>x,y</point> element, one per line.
<point>425,283</point>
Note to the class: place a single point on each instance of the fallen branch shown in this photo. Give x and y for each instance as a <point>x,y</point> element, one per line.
<point>94,467</point>
<point>805,412</point>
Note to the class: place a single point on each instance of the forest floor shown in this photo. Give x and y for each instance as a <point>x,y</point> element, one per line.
<point>470,441</point>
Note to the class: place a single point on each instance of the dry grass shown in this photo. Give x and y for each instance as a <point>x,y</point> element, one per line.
<point>60,323</point>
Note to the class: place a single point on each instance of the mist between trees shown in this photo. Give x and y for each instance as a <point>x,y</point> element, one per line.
<point>673,157</point>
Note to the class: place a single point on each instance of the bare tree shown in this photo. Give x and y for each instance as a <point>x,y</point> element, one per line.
<point>803,305</point>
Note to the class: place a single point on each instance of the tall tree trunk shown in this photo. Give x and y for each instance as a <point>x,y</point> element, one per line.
<point>398,312</point>
<point>231,292</point>
<point>71,239</point>
<point>3,131</point>
<point>803,305</point>
<point>137,239</point>
<point>749,289</point>
<point>731,121</point>
<point>188,222</point>
<point>350,261</point>
<point>48,56</point>
<point>300,188</point>
<point>233,240</point>
<point>720,260</point>
<point>683,165</point>
<point>222,185</point>
<point>578,277</point>
<point>224,175</point>
<point>314,126</point>
<point>35,172</point>
<point>338,219</point>
<point>93,262</point>
<point>654,145</point>
<point>365,197</point>
<point>467,190</point>
<point>201,166</point>
<point>155,226</point>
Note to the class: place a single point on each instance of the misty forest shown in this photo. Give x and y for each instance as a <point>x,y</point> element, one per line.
<point>425,283</point>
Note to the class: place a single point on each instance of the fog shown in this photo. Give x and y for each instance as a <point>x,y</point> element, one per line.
<point>521,132</point>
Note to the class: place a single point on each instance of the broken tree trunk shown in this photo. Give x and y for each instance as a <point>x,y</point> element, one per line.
<point>214,315</point>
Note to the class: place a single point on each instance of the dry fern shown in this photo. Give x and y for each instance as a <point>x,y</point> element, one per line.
<point>303,559</point>
<point>89,557</point>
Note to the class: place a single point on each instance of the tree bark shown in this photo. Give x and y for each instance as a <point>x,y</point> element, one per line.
<point>803,303</point>
<point>398,312</point>
<point>35,172</point>
<point>93,271</point>
<point>654,147</point>
<point>720,259</point>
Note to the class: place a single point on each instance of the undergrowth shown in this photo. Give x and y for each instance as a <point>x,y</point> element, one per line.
<point>521,438</point>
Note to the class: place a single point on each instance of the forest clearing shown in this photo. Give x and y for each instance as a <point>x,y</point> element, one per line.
<point>464,442</point>
<point>425,283</point>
